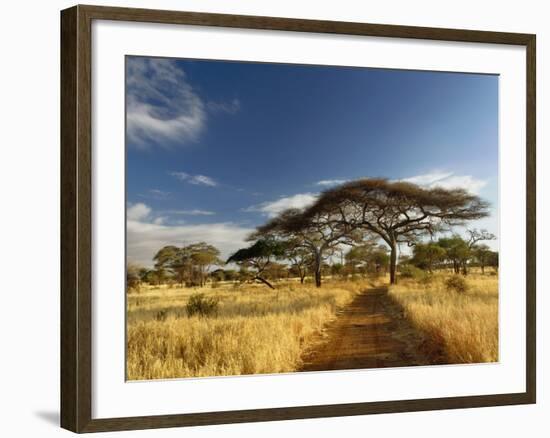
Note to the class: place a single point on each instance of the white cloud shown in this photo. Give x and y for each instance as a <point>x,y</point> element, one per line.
<point>137,211</point>
<point>145,237</point>
<point>271,209</point>
<point>161,105</point>
<point>202,180</point>
<point>194,212</point>
<point>428,178</point>
<point>448,180</point>
<point>331,182</point>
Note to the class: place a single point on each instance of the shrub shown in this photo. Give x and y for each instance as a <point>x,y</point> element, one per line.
<point>201,305</point>
<point>410,271</point>
<point>426,279</point>
<point>161,315</point>
<point>215,284</point>
<point>132,279</point>
<point>457,284</point>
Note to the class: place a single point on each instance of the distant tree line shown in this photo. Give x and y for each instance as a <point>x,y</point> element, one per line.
<point>456,253</point>
<point>188,266</point>
<point>362,223</point>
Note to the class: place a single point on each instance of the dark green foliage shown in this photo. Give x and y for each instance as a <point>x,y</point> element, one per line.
<point>485,257</point>
<point>133,279</point>
<point>456,283</point>
<point>261,249</point>
<point>201,305</point>
<point>428,256</point>
<point>411,271</point>
<point>161,315</point>
<point>187,265</point>
<point>457,252</point>
<point>259,257</point>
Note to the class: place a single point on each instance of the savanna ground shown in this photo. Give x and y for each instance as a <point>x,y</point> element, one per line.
<point>298,327</point>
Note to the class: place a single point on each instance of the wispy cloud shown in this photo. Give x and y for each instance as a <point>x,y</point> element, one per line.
<point>194,179</point>
<point>448,180</point>
<point>147,233</point>
<point>330,182</point>
<point>194,212</point>
<point>231,107</point>
<point>272,208</point>
<point>157,194</point>
<point>161,104</point>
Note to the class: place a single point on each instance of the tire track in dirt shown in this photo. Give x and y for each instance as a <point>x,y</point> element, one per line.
<point>371,332</point>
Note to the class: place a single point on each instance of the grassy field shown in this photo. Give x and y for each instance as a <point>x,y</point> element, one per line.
<point>461,327</point>
<point>256,330</point>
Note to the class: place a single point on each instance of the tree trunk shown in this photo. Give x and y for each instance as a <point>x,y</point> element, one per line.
<point>302,276</point>
<point>393,263</point>
<point>317,267</point>
<point>456,267</point>
<point>318,276</point>
<point>264,281</point>
<point>482,269</point>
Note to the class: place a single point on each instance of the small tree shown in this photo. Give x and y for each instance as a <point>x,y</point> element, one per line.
<point>258,257</point>
<point>314,232</point>
<point>133,279</point>
<point>427,255</point>
<point>482,254</point>
<point>203,256</point>
<point>299,256</point>
<point>188,264</point>
<point>493,260</point>
<point>457,252</point>
<point>165,261</point>
<point>337,270</point>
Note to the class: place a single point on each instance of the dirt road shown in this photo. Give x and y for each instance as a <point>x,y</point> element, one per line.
<point>371,332</point>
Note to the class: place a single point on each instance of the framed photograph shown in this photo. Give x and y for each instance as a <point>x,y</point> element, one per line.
<point>270,218</point>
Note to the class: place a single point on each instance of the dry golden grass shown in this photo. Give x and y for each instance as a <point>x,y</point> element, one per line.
<point>463,325</point>
<point>256,330</point>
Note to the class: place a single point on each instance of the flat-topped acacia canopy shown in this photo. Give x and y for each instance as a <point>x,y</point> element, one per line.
<point>397,211</point>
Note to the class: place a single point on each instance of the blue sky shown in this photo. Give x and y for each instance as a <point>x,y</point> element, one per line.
<point>216,148</point>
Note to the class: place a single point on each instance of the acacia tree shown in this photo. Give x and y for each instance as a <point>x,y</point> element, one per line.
<point>203,256</point>
<point>398,212</point>
<point>165,258</point>
<point>483,255</point>
<point>258,256</point>
<point>316,232</point>
<point>299,256</point>
<point>481,252</point>
<point>476,236</point>
<point>427,255</point>
<point>187,263</point>
<point>457,252</point>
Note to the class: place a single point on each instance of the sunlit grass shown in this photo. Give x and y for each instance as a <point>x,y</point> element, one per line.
<point>256,330</point>
<point>463,327</point>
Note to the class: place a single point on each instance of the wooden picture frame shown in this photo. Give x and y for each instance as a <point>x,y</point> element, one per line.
<point>76,218</point>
